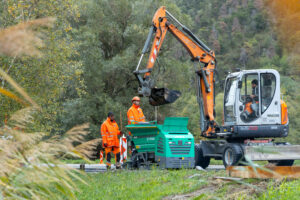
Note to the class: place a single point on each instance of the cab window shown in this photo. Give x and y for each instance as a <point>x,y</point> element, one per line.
<point>229,103</point>
<point>249,96</point>
<point>268,85</point>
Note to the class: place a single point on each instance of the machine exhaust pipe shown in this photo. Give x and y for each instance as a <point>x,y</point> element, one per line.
<point>161,96</point>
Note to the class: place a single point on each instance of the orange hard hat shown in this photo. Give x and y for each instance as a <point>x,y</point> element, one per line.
<point>136,98</point>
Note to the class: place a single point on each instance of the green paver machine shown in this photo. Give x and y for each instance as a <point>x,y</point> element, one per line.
<point>170,145</point>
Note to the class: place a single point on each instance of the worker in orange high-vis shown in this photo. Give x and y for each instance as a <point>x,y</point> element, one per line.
<point>135,113</point>
<point>109,132</point>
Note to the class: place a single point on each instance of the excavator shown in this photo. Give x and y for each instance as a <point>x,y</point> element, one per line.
<point>254,114</point>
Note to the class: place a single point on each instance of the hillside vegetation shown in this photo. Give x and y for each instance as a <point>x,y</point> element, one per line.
<point>88,57</point>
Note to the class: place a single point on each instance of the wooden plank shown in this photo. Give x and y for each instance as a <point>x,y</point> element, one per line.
<point>228,178</point>
<point>271,152</point>
<point>264,172</point>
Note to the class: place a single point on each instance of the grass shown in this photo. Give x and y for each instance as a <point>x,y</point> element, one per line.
<point>180,184</point>
<point>157,184</point>
<point>297,162</point>
<point>143,184</point>
<point>185,183</point>
<point>288,190</point>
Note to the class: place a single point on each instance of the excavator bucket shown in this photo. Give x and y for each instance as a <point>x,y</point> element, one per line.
<point>161,96</point>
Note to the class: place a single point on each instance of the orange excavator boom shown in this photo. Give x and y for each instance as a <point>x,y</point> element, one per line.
<point>201,55</point>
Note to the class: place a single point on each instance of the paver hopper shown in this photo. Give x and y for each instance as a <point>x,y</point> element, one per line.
<point>170,145</point>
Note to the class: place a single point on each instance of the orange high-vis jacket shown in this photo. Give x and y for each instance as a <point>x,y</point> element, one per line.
<point>135,114</point>
<point>109,132</point>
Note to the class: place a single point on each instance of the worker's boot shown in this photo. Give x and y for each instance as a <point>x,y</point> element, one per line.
<point>108,158</point>
<point>118,164</point>
<point>108,165</point>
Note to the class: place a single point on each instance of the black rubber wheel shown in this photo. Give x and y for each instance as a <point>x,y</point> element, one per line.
<point>200,160</point>
<point>282,162</point>
<point>232,155</point>
<point>135,160</point>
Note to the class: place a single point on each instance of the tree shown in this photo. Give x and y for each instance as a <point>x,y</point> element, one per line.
<point>44,77</point>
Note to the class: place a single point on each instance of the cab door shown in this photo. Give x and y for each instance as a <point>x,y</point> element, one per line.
<point>249,99</point>
<point>270,97</point>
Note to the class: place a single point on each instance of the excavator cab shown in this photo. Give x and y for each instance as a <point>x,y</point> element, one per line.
<point>252,105</point>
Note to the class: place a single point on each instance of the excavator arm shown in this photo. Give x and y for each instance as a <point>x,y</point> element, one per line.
<point>202,57</point>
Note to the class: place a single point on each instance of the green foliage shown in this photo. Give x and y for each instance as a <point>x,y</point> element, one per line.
<point>44,78</point>
<point>145,184</point>
<point>219,107</point>
<point>286,190</point>
<point>291,95</point>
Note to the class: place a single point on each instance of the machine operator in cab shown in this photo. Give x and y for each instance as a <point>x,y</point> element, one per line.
<point>254,84</point>
<point>251,107</point>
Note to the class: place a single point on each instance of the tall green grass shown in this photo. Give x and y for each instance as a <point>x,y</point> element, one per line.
<point>288,190</point>
<point>143,184</point>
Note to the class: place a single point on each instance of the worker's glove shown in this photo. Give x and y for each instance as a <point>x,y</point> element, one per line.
<point>105,145</point>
